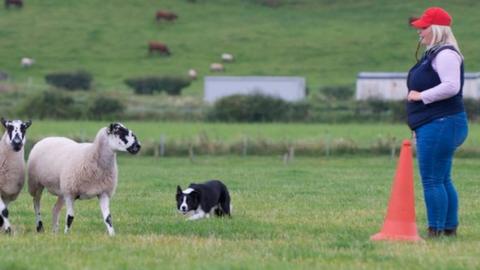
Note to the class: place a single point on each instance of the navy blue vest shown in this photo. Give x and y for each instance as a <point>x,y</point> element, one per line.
<point>422,77</point>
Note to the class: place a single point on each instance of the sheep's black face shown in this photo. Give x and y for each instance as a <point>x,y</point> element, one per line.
<point>16,131</point>
<point>123,139</point>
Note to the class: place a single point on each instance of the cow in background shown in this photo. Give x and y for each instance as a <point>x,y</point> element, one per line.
<point>165,15</point>
<point>17,3</point>
<point>158,47</point>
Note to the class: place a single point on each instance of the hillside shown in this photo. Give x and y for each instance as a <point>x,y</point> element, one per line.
<point>328,42</point>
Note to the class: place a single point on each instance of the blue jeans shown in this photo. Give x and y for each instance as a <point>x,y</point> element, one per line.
<point>436,145</point>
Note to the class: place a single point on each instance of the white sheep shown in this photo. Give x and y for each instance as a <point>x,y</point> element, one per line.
<point>72,170</point>
<point>216,67</point>
<point>27,62</point>
<point>192,74</point>
<point>12,166</point>
<point>227,57</point>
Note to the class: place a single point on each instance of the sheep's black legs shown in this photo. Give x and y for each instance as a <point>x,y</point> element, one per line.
<point>4,223</point>
<point>70,214</point>
<point>107,218</point>
<point>36,207</point>
<point>56,211</point>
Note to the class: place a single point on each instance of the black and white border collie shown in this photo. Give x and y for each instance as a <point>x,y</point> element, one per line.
<point>202,200</point>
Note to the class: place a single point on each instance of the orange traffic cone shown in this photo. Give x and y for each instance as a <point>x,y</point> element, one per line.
<point>400,223</point>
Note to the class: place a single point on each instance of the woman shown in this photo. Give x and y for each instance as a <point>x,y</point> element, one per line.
<point>436,114</point>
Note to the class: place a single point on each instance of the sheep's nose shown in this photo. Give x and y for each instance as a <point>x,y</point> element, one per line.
<point>137,147</point>
<point>16,143</point>
<point>17,146</point>
<point>134,148</point>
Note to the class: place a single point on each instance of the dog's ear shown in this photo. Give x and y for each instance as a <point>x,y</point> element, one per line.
<point>179,190</point>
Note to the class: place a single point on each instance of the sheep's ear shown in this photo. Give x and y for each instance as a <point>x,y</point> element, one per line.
<point>110,128</point>
<point>4,122</point>
<point>28,123</point>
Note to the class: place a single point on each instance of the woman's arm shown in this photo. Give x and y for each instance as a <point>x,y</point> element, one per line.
<point>447,64</point>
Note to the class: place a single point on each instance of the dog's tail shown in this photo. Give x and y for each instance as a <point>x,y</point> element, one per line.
<point>226,203</point>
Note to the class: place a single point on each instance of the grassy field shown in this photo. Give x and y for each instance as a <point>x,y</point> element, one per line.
<point>315,213</point>
<point>364,134</point>
<point>328,42</point>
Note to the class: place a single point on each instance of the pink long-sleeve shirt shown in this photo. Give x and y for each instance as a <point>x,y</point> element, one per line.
<point>447,64</point>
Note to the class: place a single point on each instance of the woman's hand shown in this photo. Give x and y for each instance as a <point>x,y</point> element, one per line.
<point>414,96</point>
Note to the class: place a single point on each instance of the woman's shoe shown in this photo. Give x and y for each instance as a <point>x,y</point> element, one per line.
<point>450,232</point>
<point>434,233</point>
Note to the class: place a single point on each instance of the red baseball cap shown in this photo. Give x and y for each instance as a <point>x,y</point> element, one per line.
<point>433,16</point>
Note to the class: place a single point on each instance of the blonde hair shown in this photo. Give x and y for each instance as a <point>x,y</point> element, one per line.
<point>443,35</point>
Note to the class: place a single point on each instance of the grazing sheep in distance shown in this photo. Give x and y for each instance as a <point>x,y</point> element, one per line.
<point>216,67</point>
<point>226,57</point>
<point>155,46</point>
<point>27,62</point>
<point>12,166</point>
<point>165,15</point>
<point>192,74</point>
<point>72,171</point>
<point>17,3</point>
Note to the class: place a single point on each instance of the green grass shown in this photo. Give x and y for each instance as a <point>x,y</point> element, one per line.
<point>364,134</point>
<point>314,213</point>
<point>328,42</point>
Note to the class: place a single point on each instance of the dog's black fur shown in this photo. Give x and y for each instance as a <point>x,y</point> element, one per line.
<point>202,199</point>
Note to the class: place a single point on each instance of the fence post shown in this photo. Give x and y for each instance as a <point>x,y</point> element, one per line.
<point>155,149</point>
<point>83,136</point>
<point>162,145</point>
<point>245,146</point>
<point>190,153</point>
<point>291,152</point>
<point>392,148</point>
<point>327,147</point>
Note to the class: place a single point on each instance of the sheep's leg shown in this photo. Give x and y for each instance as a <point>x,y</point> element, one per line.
<point>70,214</point>
<point>107,218</point>
<point>56,212</point>
<point>5,224</point>
<point>36,207</point>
